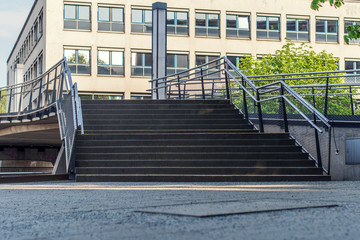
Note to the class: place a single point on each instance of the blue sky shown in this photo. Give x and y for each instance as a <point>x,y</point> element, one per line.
<point>13,14</point>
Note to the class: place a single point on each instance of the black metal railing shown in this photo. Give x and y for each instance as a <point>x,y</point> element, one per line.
<point>271,107</point>
<point>52,93</point>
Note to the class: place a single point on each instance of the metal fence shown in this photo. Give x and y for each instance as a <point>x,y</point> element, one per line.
<point>49,94</point>
<point>272,106</point>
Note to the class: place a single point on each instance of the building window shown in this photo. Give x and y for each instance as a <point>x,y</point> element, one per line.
<point>77,17</point>
<point>141,21</point>
<point>238,26</point>
<point>236,60</point>
<point>41,64</point>
<point>326,30</point>
<point>101,96</point>
<point>78,60</point>
<point>204,59</point>
<point>141,64</point>
<point>351,23</point>
<point>111,19</point>
<point>41,24</point>
<point>110,63</point>
<point>352,65</point>
<point>140,96</point>
<point>207,24</point>
<point>268,27</point>
<point>177,63</point>
<point>297,29</point>
<point>177,23</point>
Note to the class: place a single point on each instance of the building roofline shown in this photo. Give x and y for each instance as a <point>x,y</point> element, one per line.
<point>22,30</point>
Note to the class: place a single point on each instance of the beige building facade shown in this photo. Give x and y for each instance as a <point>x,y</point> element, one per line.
<point>108,42</point>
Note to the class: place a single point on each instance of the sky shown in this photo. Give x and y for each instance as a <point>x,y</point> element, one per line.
<point>13,14</point>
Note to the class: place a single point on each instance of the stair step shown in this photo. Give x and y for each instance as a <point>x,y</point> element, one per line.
<point>184,149</point>
<point>203,107</point>
<point>166,126</point>
<point>184,136</point>
<point>190,155</point>
<point>201,170</point>
<point>196,163</point>
<point>95,116</point>
<point>184,142</point>
<point>163,121</point>
<point>160,111</point>
<point>196,178</point>
<point>145,102</point>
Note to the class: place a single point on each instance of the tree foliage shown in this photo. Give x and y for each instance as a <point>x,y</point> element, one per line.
<point>292,58</point>
<point>353,31</point>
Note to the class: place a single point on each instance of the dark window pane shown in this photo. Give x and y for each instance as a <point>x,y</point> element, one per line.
<point>303,36</point>
<point>274,35</point>
<point>117,27</point>
<point>273,23</point>
<point>182,18</point>
<point>136,27</point>
<point>200,31</point>
<point>232,59</point>
<point>347,23</point>
<point>83,69</point>
<point>244,34</point>
<point>104,70</point>
<point>332,38</point>
<point>84,13</point>
<point>170,29</point>
<point>182,30</point>
<point>147,72</point>
<point>291,35</point>
<point>137,59</point>
<point>170,60</point>
<point>261,34</point>
<point>117,15</point>
<point>231,33</point>
<point>213,20</point>
<point>69,24</point>
<point>320,26</point>
<point>231,21</point>
<point>104,14</point>
<point>104,26</point>
<point>321,37</point>
<point>200,60</point>
<point>119,71</point>
<point>349,65</point>
<point>148,60</point>
<point>303,25</point>
<point>84,25</point>
<point>200,19</point>
<point>182,61</point>
<point>170,18</point>
<point>70,11</point>
<point>213,32</point>
<point>357,64</point>
<point>261,22</point>
<point>332,26</point>
<point>291,24</point>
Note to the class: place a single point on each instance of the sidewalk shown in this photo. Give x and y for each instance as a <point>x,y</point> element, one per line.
<point>68,210</point>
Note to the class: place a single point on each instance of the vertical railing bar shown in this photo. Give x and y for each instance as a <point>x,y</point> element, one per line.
<point>326,97</point>
<point>245,108</point>
<point>31,96</point>
<point>179,86</point>
<point>283,109</point>
<point>261,123</point>
<point>202,83</point>
<point>351,102</point>
<point>10,100</point>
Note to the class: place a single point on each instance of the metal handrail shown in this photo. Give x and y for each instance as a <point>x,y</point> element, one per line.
<point>184,84</point>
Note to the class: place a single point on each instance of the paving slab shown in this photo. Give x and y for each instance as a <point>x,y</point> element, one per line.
<point>69,210</point>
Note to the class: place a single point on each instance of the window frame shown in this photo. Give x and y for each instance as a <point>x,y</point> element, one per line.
<point>297,31</point>
<point>111,22</point>
<point>143,66</point>
<point>237,28</point>
<point>111,65</point>
<point>267,30</point>
<point>326,33</point>
<point>176,25</point>
<point>77,20</point>
<point>143,25</point>
<point>207,27</point>
<point>77,64</point>
<point>176,68</point>
<point>351,41</point>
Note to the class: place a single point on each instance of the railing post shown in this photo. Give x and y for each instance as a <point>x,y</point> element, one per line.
<point>313,97</point>
<point>31,96</point>
<point>261,123</point>
<point>202,83</point>
<point>245,109</point>
<point>227,86</point>
<point>317,143</point>
<point>326,96</point>
<point>283,109</point>
<point>351,102</point>
<point>39,97</point>
<point>179,87</point>
<point>10,97</point>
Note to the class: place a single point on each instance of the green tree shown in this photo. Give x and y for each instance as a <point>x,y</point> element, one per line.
<point>353,30</point>
<point>3,102</point>
<point>301,58</point>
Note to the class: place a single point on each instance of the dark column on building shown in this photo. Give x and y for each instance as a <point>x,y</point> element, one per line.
<point>159,47</point>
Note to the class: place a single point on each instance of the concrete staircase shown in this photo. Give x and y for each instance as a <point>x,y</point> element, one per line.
<point>183,141</point>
